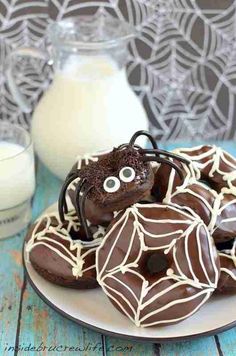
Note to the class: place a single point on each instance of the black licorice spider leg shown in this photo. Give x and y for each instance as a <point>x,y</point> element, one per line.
<point>157,152</point>
<point>165,161</point>
<point>134,138</point>
<point>78,192</point>
<point>62,205</point>
<point>83,219</point>
<point>167,154</point>
<point>143,133</point>
<point>80,198</point>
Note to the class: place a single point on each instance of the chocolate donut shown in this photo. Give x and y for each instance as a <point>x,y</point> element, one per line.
<point>217,210</point>
<point>157,264</point>
<point>57,257</point>
<point>209,163</point>
<point>216,166</point>
<point>227,254</point>
<point>217,206</point>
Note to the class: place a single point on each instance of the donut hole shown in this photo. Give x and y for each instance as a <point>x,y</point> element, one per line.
<point>156,262</point>
<point>209,183</point>
<point>203,181</point>
<point>226,245</point>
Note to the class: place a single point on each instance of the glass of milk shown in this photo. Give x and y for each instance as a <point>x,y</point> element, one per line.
<point>17,179</point>
<point>90,105</point>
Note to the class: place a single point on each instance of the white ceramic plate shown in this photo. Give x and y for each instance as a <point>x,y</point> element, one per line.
<point>93,309</point>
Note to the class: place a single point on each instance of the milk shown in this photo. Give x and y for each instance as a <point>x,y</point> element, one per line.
<point>17,180</point>
<point>17,184</point>
<point>88,107</point>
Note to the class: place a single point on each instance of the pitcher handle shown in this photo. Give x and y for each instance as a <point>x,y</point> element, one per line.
<point>21,99</point>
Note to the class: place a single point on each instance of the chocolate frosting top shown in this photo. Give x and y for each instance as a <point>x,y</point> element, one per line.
<point>111,165</point>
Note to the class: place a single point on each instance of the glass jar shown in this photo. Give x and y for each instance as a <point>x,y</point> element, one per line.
<point>89,105</point>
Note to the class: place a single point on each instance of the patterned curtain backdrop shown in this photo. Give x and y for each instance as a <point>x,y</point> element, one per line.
<point>182,64</point>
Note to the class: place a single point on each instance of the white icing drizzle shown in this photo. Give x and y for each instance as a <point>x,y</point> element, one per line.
<point>72,186</point>
<point>82,248</point>
<point>193,226</point>
<point>90,157</point>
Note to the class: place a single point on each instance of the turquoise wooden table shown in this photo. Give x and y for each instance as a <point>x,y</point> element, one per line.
<point>27,323</point>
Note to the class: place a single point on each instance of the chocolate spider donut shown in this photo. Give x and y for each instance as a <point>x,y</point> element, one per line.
<point>217,210</point>
<point>57,257</point>
<point>116,181</point>
<point>157,264</point>
<point>227,254</point>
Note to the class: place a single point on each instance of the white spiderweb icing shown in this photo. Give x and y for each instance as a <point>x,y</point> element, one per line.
<point>213,158</point>
<point>146,307</point>
<point>74,253</point>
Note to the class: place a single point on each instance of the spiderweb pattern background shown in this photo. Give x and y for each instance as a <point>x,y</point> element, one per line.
<point>182,64</point>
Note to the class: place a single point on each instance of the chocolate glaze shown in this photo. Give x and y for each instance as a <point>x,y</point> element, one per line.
<point>191,264</point>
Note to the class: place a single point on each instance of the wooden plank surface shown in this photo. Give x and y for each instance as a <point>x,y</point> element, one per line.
<point>198,347</point>
<point>25,319</point>
<point>11,281</point>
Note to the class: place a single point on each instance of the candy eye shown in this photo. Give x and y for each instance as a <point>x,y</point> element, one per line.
<point>127,174</point>
<point>111,184</point>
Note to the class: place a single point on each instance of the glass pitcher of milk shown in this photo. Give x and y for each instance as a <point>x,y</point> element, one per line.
<point>89,105</point>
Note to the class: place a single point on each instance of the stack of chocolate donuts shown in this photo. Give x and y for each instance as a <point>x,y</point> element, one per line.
<point>156,230</point>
